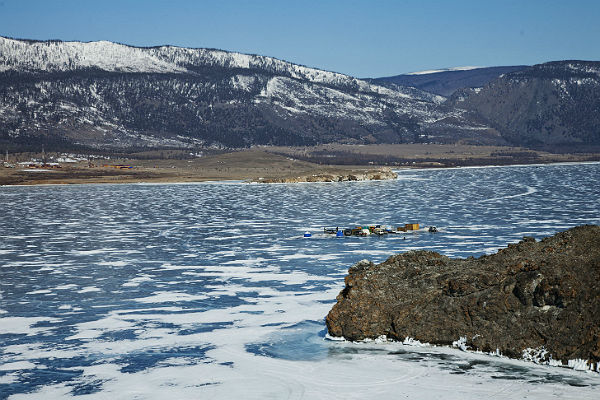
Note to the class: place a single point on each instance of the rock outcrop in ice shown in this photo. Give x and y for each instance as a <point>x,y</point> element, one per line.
<point>538,300</point>
<point>363,175</point>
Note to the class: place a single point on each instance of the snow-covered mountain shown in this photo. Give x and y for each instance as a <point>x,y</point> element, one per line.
<point>555,104</point>
<point>57,56</point>
<point>103,94</point>
<point>436,71</point>
<point>446,81</point>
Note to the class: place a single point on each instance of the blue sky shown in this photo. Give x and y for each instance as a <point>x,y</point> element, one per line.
<point>360,38</point>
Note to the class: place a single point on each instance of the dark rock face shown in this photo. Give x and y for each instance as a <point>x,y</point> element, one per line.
<point>527,296</point>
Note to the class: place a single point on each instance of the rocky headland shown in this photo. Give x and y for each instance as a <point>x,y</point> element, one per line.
<point>344,176</point>
<point>531,300</point>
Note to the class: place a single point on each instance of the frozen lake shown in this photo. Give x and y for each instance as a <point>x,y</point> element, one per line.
<point>190,291</point>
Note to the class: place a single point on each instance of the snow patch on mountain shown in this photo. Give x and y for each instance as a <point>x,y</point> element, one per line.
<point>243,82</point>
<point>579,67</point>
<point>56,56</point>
<point>435,71</point>
<point>22,56</point>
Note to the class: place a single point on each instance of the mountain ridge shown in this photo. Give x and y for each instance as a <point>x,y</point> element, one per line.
<point>116,96</point>
<point>445,82</point>
<point>101,94</point>
<point>555,103</point>
<point>160,58</point>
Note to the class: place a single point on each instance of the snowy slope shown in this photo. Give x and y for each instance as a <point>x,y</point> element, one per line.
<point>552,104</point>
<point>104,94</point>
<point>57,56</point>
<point>25,56</point>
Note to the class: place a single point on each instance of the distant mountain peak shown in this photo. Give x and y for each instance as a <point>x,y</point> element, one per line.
<point>435,71</point>
<point>551,104</point>
<point>445,82</point>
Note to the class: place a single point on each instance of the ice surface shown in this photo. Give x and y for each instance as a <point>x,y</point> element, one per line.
<point>112,304</point>
<point>17,366</point>
<point>23,325</point>
<point>170,297</point>
<point>461,343</point>
<point>89,289</point>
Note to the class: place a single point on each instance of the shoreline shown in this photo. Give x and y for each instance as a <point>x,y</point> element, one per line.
<point>187,180</point>
<point>161,180</point>
<point>261,165</point>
